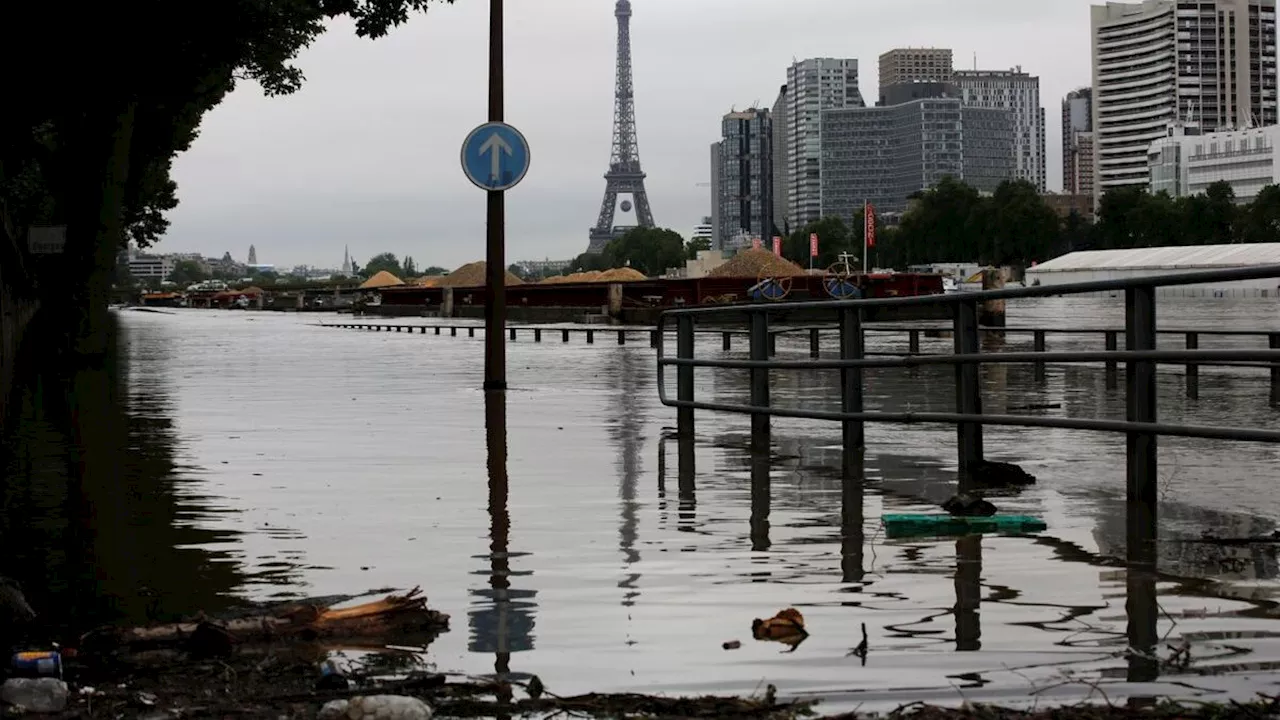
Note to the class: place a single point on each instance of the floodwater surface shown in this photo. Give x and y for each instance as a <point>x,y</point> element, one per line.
<point>262,455</point>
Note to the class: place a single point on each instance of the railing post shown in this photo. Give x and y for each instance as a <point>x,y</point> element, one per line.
<point>727,341</point>
<point>1275,371</point>
<point>471,332</point>
<point>814,351</point>
<point>759,341</point>
<point>537,335</point>
<point>852,347</point>
<point>453,332</point>
<point>622,337</point>
<point>1140,397</point>
<point>437,329</point>
<point>773,344</point>
<point>968,388</point>
<point>684,374</point>
<point>1113,344</point>
<point>591,337</point>
<point>564,336</point>
<point>512,332</point>
<point>1038,345</point>
<point>1193,370</point>
<point>653,338</point>
<point>913,342</point>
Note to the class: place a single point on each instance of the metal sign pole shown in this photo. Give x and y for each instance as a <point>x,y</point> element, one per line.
<point>495,305</point>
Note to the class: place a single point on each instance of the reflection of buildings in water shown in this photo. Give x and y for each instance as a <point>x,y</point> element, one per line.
<point>1177,552</point>
<point>501,619</point>
<point>100,525</point>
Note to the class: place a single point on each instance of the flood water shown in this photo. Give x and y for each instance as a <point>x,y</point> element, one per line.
<point>227,455</point>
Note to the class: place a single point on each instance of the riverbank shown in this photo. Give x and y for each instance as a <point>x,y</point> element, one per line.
<point>286,684</point>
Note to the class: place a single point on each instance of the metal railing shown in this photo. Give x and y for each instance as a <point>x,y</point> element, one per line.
<point>1140,358</point>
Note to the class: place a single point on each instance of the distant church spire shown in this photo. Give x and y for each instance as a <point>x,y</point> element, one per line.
<point>253,255</point>
<point>346,260</point>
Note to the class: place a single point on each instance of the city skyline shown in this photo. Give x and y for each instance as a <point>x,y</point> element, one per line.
<point>366,154</point>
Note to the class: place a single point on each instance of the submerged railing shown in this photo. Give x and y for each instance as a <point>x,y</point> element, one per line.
<point>1140,356</point>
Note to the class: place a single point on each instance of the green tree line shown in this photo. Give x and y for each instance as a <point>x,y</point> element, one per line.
<point>953,222</point>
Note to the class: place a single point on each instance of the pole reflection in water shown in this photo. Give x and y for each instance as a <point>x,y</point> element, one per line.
<point>968,593</point>
<point>760,500</point>
<point>502,622</point>
<point>687,488</point>
<point>1140,598</point>
<point>851,516</point>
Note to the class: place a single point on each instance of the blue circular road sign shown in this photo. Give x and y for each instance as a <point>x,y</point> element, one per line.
<point>495,156</point>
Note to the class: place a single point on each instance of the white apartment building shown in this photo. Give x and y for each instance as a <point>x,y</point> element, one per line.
<point>151,267</point>
<point>705,230</point>
<point>1185,162</point>
<point>1019,93</point>
<point>1212,62</point>
<point>813,85</point>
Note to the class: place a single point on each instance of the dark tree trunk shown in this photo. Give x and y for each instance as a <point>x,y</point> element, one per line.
<point>93,190</point>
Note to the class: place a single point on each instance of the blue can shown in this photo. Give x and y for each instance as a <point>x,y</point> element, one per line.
<point>40,663</point>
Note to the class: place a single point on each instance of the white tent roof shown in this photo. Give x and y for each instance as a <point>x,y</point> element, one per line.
<point>1180,257</point>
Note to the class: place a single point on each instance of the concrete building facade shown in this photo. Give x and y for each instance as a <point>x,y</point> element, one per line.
<point>781,161</point>
<point>1186,162</point>
<point>914,65</point>
<point>1211,62</point>
<point>715,194</point>
<point>813,86</point>
<point>1077,142</point>
<point>886,154</point>
<point>746,175</point>
<point>1018,93</point>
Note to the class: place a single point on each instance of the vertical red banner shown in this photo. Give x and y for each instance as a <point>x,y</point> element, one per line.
<point>777,246</point>
<point>869,212</point>
<point>813,245</point>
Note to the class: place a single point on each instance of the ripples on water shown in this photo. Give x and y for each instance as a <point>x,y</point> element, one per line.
<point>257,455</point>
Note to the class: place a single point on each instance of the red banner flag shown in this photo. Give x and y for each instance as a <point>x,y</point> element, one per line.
<point>777,246</point>
<point>813,244</point>
<point>869,213</point>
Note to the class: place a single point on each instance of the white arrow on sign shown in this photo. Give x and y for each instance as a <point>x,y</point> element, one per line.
<point>494,147</point>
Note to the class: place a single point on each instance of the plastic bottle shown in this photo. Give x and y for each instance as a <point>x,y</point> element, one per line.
<point>41,695</point>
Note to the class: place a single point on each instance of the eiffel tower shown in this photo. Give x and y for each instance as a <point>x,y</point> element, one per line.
<point>625,175</point>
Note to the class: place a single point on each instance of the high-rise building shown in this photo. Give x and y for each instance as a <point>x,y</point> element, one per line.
<point>886,154</point>
<point>253,255</point>
<point>781,161</point>
<point>1077,142</point>
<point>746,175</point>
<point>715,195</point>
<point>914,65</point>
<point>813,85</point>
<point>1019,93</point>
<point>1210,62</point>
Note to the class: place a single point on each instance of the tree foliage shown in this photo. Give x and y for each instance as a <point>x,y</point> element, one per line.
<point>102,166</point>
<point>384,261</point>
<point>695,246</point>
<point>649,250</point>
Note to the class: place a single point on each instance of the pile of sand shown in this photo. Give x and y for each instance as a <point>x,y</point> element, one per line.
<point>755,263</point>
<point>621,275</point>
<point>472,275</point>
<point>382,279</point>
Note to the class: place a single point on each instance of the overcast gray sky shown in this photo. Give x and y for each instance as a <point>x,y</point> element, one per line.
<point>366,154</point>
